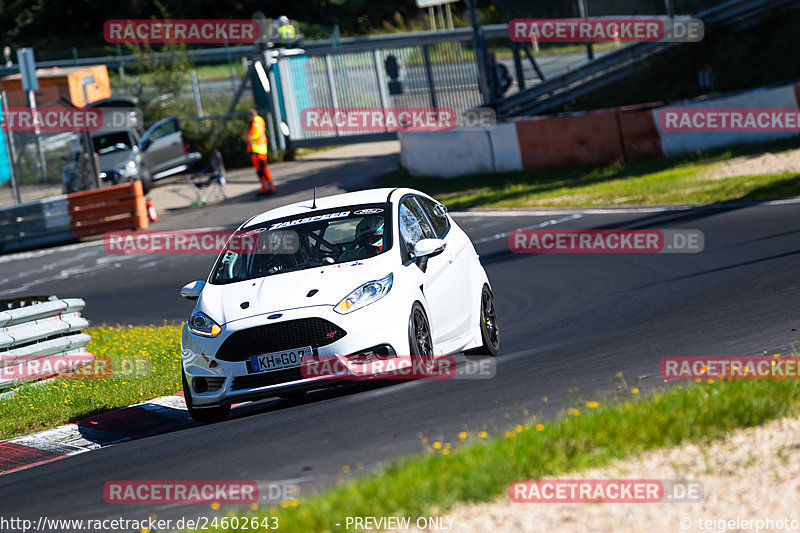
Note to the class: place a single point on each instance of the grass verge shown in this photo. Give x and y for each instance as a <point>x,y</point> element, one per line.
<point>680,179</point>
<point>42,405</point>
<point>590,436</point>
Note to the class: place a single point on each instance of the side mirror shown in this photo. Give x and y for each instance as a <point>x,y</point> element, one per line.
<point>429,247</point>
<point>191,291</point>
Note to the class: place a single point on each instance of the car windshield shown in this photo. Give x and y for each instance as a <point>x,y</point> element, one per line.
<point>299,242</point>
<point>112,142</point>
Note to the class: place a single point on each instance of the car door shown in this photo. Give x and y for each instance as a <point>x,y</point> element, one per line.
<point>458,255</point>
<point>436,285</point>
<point>162,146</point>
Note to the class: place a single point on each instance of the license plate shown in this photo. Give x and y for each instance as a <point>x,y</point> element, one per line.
<point>277,360</point>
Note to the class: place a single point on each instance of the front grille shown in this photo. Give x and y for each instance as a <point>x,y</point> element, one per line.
<point>269,338</point>
<point>264,379</point>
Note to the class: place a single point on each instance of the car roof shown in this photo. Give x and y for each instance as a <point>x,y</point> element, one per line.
<point>369,196</point>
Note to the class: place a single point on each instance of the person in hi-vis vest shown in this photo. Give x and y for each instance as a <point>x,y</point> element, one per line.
<point>256,139</point>
<point>286,31</point>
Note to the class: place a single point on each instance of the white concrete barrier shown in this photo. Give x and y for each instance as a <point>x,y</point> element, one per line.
<point>471,151</point>
<point>505,147</point>
<point>446,154</point>
<point>673,143</point>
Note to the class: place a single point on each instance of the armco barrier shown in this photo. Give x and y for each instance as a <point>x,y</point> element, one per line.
<point>68,217</point>
<point>596,137</point>
<point>35,223</point>
<point>42,330</point>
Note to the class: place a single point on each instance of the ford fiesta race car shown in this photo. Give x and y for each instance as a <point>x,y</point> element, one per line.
<point>377,274</point>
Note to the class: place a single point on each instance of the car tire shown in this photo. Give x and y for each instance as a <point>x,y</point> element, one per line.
<point>207,415</point>
<point>490,333</point>
<point>146,178</point>
<point>420,340</point>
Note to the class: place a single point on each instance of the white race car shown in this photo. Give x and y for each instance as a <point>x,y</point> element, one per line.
<point>381,273</point>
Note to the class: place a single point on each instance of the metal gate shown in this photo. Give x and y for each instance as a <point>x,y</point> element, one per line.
<point>436,74</point>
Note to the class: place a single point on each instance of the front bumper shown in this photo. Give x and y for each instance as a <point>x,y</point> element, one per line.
<point>231,381</point>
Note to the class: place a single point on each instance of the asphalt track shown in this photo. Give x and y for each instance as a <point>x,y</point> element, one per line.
<point>569,324</point>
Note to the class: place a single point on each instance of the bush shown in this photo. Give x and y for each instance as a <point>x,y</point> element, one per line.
<point>224,135</point>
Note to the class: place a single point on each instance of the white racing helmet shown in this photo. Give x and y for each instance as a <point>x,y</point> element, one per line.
<point>370,226</point>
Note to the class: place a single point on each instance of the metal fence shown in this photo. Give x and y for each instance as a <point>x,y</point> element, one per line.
<point>439,74</point>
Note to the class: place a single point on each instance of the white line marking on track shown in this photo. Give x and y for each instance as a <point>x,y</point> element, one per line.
<point>618,210</point>
<point>551,222</point>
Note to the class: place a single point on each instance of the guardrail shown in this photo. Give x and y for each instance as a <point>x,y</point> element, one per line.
<point>37,334</point>
<point>72,216</point>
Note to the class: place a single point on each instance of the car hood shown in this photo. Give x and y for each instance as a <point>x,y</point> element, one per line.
<point>281,292</point>
<point>116,159</point>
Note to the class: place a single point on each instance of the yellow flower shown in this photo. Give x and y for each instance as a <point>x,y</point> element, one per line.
<point>215,505</point>
<point>510,434</point>
<point>635,390</point>
<point>437,445</point>
<point>462,435</point>
<point>482,434</point>
<point>574,412</point>
<point>518,428</point>
<point>539,427</point>
<point>592,405</point>
<point>544,399</point>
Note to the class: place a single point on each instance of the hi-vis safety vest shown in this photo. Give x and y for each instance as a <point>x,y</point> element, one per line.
<point>286,32</point>
<point>257,136</point>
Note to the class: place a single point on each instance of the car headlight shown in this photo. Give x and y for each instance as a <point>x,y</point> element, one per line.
<point>129,169</point>
<point>372,291</point>
<point>202,324</point>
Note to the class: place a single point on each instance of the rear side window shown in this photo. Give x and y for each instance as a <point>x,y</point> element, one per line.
<point>437,215</point>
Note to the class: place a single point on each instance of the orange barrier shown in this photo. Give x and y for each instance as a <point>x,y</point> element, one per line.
<point>114,208</point>
<point>640,136</point>
<point>588,138</point>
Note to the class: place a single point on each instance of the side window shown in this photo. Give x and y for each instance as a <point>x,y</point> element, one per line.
<point>168,128</point>
<point>437,215</point>
<point>413,225</point>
